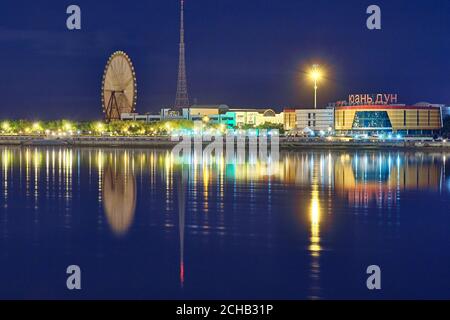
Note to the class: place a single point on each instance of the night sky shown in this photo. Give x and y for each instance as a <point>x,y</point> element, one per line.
<point>244,53</point>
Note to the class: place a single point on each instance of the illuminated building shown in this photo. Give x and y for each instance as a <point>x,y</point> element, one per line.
<point>170,114</point>
<point>228,119</point>
<point>372,114</point>
<point>315,119</point>
<point>215,114</point>
<point>445,112</point>
<point>257,117</point>
<point>140,117</point>
<point>290,119</point>
<point>198,112</point>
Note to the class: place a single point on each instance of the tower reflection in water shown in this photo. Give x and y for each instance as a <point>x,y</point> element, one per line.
<point>182,181</point>
<point>119,193</point>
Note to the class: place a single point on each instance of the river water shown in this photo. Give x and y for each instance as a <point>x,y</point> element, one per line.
<point>140,225</point>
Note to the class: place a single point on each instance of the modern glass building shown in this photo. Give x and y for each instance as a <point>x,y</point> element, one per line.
<point>401,119</point>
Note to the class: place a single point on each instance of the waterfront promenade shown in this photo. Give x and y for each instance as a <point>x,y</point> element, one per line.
<point>165,142</point>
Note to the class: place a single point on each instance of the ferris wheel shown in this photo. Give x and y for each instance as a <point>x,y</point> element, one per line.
<point>119,87</point>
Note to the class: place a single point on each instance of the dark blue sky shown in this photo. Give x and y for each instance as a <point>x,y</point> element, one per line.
<point>240,52</point>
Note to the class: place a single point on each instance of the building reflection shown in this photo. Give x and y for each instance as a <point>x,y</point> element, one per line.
<point>119,194</point>
<point>363,177</point>
<point>358,177</point>
<point>381,178</point>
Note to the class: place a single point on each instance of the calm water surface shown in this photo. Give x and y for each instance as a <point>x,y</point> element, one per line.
<point>141,226</point>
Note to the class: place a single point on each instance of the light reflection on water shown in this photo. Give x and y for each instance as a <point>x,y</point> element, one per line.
<point>209,202</point>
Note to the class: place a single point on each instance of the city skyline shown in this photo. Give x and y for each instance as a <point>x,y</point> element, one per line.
<point>218,158</point>
<point>241,54</point>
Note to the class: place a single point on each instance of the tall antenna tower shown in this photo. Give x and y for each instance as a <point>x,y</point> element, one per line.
<point>182,98</point>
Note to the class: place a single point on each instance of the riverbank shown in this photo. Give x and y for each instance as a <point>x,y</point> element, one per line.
<point>166,143</point>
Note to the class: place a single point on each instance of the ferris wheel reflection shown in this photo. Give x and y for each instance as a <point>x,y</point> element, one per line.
<point>119,197</point>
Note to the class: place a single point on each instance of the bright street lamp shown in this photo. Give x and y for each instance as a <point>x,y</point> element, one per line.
<point>315,75</point>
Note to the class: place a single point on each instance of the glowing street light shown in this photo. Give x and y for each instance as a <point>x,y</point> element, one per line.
<point>37,127</point>
<point>99,127</point>
<point>316,76</point>
<point>6,126</point>
<point>67,126</point>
